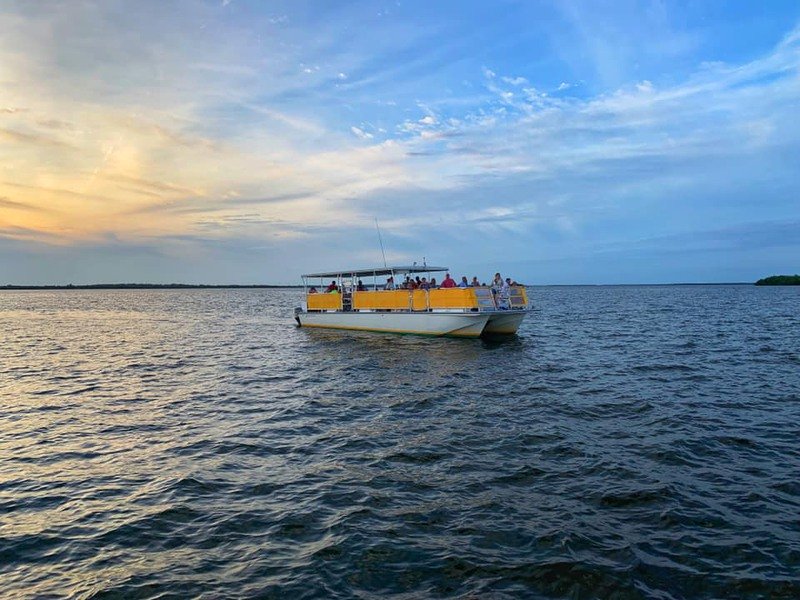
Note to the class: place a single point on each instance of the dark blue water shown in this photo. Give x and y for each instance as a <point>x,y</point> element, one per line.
<point>632,442</point>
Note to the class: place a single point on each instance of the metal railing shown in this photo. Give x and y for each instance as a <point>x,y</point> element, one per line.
<point>451,299</point>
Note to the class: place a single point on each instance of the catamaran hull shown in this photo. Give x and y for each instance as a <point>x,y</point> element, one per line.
<point>504,323</point>
<point>439,324</point>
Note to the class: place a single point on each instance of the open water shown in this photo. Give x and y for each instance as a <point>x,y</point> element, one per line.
<point>631,442</point>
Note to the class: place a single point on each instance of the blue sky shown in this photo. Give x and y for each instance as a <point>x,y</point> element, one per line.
<point>247,142</point>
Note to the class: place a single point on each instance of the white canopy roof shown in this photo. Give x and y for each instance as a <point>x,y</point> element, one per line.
<point>379,271</point>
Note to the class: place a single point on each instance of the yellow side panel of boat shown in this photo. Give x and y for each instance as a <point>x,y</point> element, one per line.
<point>419,300</point>
<point>324,301</point>
<point>385,300</point>
<point>453,298</point>
<point>518,297</point>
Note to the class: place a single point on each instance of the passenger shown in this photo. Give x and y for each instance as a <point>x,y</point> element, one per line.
<point>475,282</point>
<point>389,284</point>
<point>464,283</point>
<point>433,283</point>
<point>448,282</point>
<point>332,288</point>
<point>418,281</point>
<point>504,295</point>
<point>313,290</point>
<point>497,285</point>
<point>360,287</point>
<point>424,285</point>
<point>412,285</point>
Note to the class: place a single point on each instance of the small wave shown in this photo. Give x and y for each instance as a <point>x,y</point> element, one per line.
<point>635,497</point>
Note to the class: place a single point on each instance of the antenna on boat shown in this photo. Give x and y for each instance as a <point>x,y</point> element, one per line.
<point>381,242</point>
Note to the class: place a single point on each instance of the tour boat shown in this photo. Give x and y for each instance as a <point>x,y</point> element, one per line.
<point>456,311</point>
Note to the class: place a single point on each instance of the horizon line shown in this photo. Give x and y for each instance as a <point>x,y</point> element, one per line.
<point>107,286</point>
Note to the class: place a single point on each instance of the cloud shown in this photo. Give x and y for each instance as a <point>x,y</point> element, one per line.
<point>35,139</point>
<point>360,133</point>
<point>56,124</point>
<point>750,236</point>
<point>154,187</point>
<point>11,204</point>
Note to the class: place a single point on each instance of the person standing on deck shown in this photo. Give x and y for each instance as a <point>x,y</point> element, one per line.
<point>497,285</point>
<point>463,283</point>
<point>448,282</point>
<point>504,295</point>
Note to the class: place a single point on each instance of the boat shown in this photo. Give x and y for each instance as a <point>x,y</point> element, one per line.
<point>454,312</point>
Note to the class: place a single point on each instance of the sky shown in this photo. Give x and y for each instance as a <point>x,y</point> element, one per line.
<point>559,142</point>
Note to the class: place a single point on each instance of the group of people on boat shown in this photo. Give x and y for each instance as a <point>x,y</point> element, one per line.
<point>417,283</point>
<point>501,288</point>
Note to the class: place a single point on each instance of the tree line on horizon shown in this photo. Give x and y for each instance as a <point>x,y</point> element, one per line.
<point>139,286</point>
<point>780,280</point>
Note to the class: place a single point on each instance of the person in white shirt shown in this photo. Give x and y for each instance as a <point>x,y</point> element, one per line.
<point>504,297</point>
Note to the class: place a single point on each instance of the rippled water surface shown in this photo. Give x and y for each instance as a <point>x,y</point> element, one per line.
<point>631,442</point>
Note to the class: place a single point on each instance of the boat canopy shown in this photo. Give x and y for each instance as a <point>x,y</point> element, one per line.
<point>380,271</point>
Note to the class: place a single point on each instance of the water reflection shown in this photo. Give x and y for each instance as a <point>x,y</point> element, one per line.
<point>182,443</point>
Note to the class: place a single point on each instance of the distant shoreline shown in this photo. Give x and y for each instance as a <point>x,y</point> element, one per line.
<point>193,286</point>
<point>143,286</point>
<point>780,280</point>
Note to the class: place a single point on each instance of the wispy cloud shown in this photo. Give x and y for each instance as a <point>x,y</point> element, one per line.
<point>24,206</point>
<point>36,139</point>
<point>360,133</point>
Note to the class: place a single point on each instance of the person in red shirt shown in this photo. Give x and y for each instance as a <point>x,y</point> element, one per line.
<point>448,282</point>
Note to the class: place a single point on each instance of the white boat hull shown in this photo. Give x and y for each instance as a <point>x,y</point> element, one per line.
<point>504,322</point>
<point>457,324</point>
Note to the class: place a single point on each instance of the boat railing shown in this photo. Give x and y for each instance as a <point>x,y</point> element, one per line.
<point>324,301</point>
<point>452,299</point>
<point>382,300</point>
<point>518,298</point>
